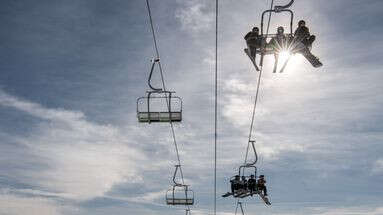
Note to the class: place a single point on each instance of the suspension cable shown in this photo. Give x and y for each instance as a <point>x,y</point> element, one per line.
<point>164,89</point>
<point>216,107</point>
<point>256,98</point>
<point>257,90</point>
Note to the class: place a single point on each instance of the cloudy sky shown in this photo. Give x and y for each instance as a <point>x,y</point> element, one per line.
<point>71,71</point>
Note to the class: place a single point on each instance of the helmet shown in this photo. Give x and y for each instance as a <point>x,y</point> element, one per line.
<point>255,29</point>
<point>301,22</point>
<point>251,176</point>
<point>280,29</point>
<point>261,176</point>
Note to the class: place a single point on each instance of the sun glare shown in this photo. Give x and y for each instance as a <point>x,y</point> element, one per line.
<point>283,56</point>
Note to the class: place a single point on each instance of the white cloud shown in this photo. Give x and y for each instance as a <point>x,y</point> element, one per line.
<point>352,211</point>
<point>15,205</point>
<point>80,159</point>
<point>195,16</point>
<point>377,167</point>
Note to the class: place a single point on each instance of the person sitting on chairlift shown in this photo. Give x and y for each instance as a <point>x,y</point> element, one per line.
<point>302,34</point>
<point>303,42</point>
<point>261,184</point>
<point>243,184</point>
<point>279,43</point>
<point>235,184</point>
<point>252,184</point>
<point>254,41</point>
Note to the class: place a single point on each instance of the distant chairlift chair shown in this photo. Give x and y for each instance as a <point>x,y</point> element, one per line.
<point>179,194</point>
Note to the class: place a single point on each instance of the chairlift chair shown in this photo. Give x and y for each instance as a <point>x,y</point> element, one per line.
<point>268,50</point>
<point>179,194</point>
<point>242,172</point>
<point>158,105</point>
<point>277,9</point>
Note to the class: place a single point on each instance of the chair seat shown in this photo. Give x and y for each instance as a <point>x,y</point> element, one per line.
<point>180,201</point>
<point>159,116</point>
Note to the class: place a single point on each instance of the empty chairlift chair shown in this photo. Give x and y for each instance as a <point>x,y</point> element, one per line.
<point>159,105</point>
<point>179,194</point>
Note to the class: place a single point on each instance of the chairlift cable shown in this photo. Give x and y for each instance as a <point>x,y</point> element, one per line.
<point>163,84</point>
<point>216,107</point>
<point>256,99</point>
<point>164,88</point>
<point>257,90</point>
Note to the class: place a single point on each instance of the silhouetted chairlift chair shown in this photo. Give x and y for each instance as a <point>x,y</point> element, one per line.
<point>179,194</point>
<point>242,171</point>
<point>266,49</point>
<point>277,9</point>
<point>158,105</point>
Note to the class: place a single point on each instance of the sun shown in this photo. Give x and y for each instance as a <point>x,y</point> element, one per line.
<point>293,60</point>
<point>283,56</point>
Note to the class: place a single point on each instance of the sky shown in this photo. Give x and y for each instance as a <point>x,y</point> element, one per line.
<point>71,71</point>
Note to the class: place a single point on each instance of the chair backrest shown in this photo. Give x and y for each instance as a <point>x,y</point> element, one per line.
<point>159,101</point>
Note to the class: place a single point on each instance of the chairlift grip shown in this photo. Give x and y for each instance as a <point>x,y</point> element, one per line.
<point>281,7</point>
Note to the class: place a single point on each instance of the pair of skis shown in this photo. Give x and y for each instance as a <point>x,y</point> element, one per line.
<point>246,194</point>
<point>314,61</point>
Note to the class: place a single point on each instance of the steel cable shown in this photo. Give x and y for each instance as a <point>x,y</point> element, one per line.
<point>164,89</point>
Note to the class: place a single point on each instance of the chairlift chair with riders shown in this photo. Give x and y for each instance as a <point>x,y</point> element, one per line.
<point>179,194</point>
<point>277,9</point>
<point>265,48</point>
<point>242,171</point>
<point>291,44</point>
<point>158,105</point>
